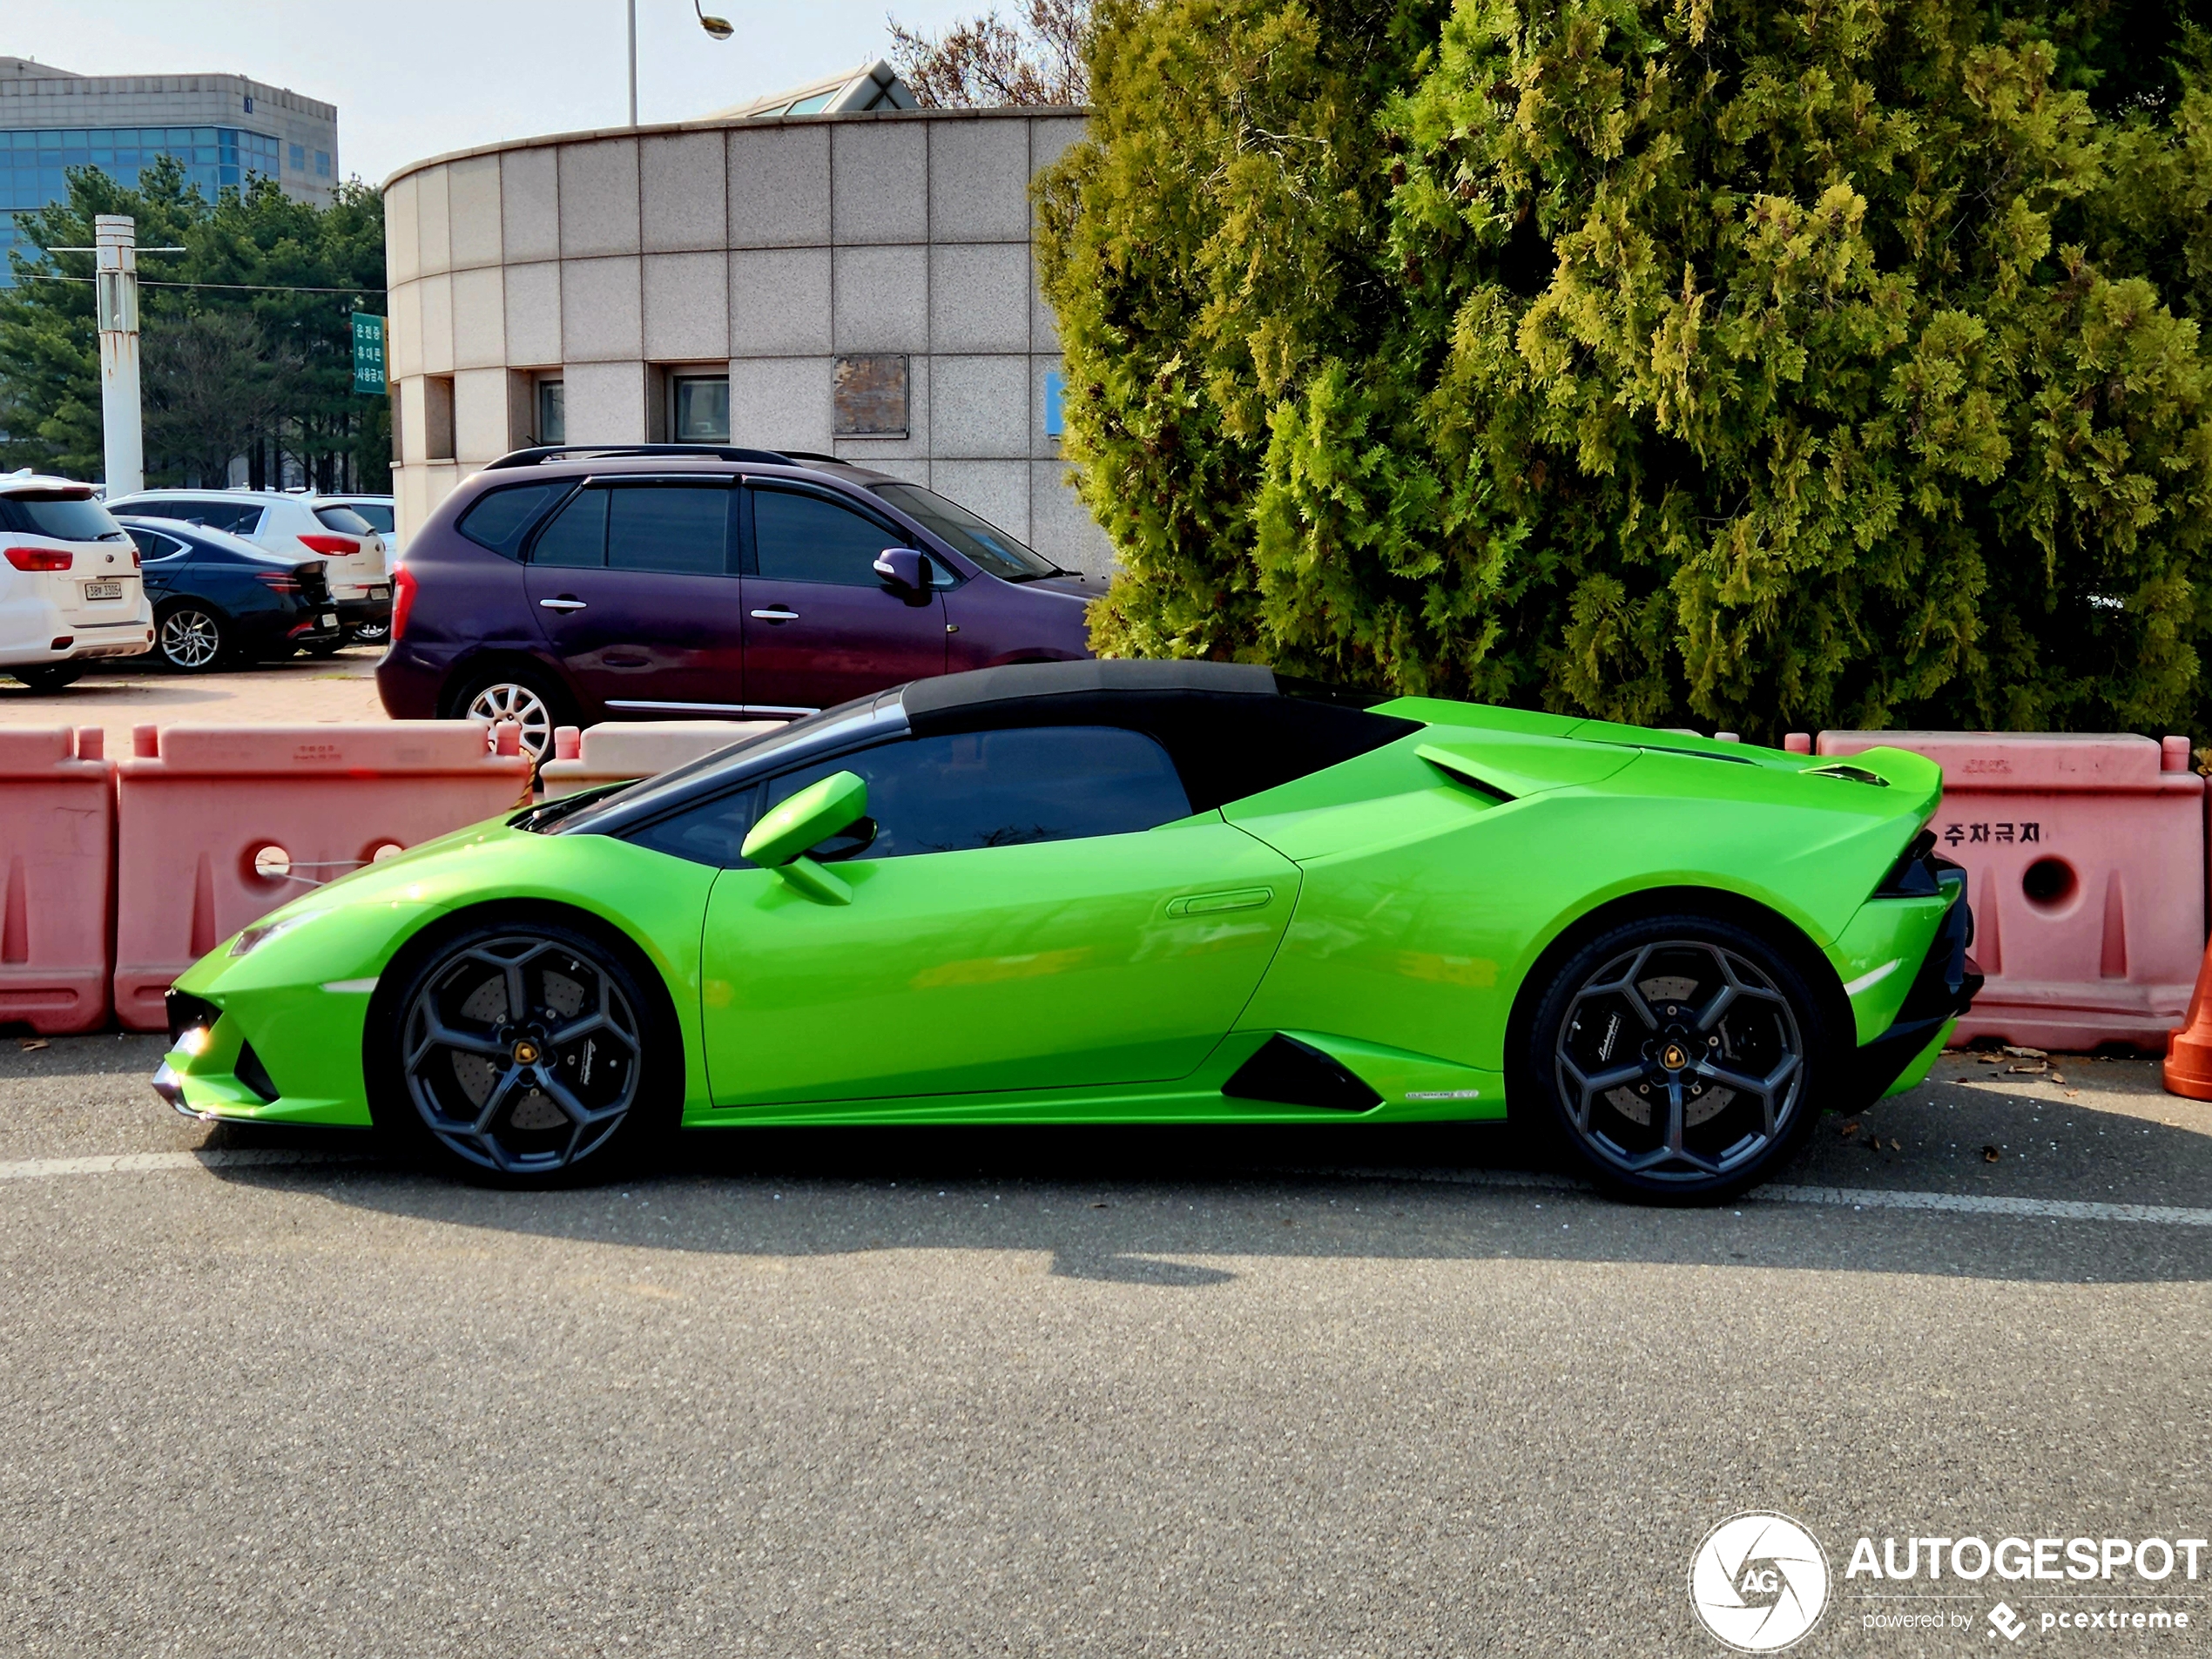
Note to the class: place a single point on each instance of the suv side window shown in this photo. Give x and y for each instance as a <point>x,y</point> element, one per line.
<point>680,529</point>
<point>946,794</point>
<point>499,518</point>
<point>577,538</point>
<point>799,537</point>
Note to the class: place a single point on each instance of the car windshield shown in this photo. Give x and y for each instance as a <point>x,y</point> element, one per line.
<point>678,785</point>
<point>65,515</point>
<point>990,546</point>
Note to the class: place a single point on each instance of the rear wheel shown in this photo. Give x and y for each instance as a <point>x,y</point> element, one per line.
<point>370,633</point>
<point>190,638</point>
<point>518,694</point>
<point>1682,1058</point>
<point>48,677</point>
<point>526,1053</point>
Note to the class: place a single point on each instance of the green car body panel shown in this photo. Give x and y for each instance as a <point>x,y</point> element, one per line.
<point>1386,910</point>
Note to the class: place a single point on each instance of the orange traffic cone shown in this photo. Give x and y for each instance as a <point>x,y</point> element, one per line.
<point>2187,1070</point>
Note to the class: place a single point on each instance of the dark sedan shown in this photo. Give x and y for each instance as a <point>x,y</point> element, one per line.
<point>218,598</point>
<point>655,582</point>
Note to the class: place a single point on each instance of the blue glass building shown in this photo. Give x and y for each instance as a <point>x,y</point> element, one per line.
<point>32,163</point>
<point>222,129</point>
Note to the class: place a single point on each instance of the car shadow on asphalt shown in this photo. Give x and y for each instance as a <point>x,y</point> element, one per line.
<point>1182,1208</point>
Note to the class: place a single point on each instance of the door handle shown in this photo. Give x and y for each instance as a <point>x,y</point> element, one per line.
<point>563,604</point>
<point>777,615</point>
<point>1210,904</point>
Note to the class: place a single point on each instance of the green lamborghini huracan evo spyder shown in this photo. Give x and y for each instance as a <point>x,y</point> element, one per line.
<point>1123,892</point>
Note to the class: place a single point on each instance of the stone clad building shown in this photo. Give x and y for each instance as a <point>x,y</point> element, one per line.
<point>851,284</point>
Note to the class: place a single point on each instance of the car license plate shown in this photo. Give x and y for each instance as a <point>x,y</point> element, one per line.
<point>103,590</point>
<point>329,619</point>
<point>379,593</point>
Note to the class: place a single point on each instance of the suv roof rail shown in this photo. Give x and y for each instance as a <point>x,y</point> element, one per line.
<point>816,454</point>
<point>543,452</point>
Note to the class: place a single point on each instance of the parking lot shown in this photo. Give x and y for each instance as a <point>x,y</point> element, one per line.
<point>1126,1391</point>
<point>138,691</point>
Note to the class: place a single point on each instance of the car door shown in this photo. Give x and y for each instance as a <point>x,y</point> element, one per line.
<point>631,583</point>
<point>1035,907</point>
<point>821,626</point>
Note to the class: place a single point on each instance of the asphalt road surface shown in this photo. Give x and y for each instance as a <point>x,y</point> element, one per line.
<point>1347,1392</point>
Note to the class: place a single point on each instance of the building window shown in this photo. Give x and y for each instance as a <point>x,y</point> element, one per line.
<point>299,158</point>
<point>552,412</point>
<point>322,163</point>
<point>702,408</point>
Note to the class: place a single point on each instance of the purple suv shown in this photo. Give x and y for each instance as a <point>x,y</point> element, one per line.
<point>655,582</point>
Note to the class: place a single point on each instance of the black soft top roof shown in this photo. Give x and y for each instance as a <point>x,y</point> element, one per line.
<point>1232,728</point>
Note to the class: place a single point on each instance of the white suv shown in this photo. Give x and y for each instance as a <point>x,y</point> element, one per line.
<point>70,588</point>
<point>299,526</point>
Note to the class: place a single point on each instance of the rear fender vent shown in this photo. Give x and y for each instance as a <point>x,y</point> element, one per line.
<point>1298,1074</point>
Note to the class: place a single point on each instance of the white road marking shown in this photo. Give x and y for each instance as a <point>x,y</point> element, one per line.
<point>1956,1203</point>
<point>162,1163</point>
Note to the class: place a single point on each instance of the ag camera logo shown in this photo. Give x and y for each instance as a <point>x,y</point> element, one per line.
<point>1758,1582</point>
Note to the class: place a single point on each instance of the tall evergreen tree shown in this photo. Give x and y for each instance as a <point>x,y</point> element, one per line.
<point>1762,365</point>
<point>246,337</point>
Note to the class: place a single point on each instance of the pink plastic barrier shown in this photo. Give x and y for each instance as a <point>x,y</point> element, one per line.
<point>56,866</point>
<point>217,826</point>
<point>2086,862</point>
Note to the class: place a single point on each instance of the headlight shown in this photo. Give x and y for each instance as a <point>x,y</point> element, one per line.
<point>261,932</point>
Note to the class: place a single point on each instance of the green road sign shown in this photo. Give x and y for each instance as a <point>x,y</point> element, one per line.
<point>368,355</point>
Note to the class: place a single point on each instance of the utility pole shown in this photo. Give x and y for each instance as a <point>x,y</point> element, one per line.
<point>116,302</point>
<point>115,311</point>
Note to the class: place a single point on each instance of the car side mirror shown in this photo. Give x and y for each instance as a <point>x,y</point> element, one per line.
<point>779,841</point>
<point>906,569</point>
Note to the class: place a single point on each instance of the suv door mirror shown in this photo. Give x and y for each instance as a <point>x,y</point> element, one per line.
<point>906,569</point>
<point>779,841</point>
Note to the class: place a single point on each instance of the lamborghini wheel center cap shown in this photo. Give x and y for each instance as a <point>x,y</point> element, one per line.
<point>1674,1057</point>
<point>526,1052</point>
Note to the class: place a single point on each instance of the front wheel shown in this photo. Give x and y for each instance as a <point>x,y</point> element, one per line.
<point>47,677</point>
<point>1681,1058</point>
<point>526,1053</point>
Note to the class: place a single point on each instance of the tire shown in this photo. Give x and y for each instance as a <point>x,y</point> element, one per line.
<point>191,639</point>
<point>370,633</point>
<point>1679,1058</point>
<point>47,677</point>
<point>519,694</point>
<point>585,1083</point>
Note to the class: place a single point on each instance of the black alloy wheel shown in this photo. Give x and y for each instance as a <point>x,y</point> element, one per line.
<point>525,1054</point>
<point>1683,1058</point>
<point>190,638</point>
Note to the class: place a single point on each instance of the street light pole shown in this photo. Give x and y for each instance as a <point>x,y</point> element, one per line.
<point>633,62</point>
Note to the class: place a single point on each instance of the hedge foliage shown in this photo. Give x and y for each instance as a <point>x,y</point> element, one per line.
<point>1831,362</point>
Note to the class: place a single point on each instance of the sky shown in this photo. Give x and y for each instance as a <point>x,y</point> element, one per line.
<point>417,78</point>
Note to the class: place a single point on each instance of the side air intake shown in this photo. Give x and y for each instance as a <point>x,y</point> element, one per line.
<point>1293,1072</point>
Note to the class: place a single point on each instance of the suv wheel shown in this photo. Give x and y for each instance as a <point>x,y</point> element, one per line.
<point>520,696</point>
<point>48,677</point>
